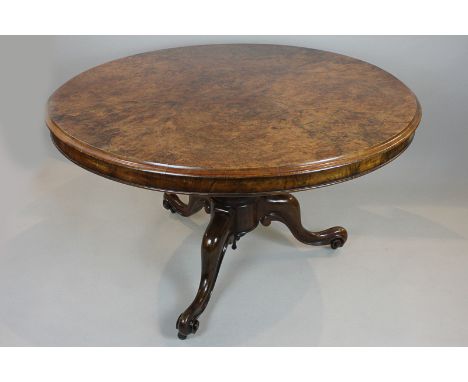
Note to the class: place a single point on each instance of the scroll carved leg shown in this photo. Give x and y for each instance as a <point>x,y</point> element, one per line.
<point>174,204</point>
<point>285,208</point>
<point>215,241</point>
<point>232,218</point>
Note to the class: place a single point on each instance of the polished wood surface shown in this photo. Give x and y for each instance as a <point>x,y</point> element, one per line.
<point>232,218</point>
<point>234,126</point>
<point>233,119</point>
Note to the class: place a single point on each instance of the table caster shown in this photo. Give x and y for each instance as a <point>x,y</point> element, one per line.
<point>336,243</point>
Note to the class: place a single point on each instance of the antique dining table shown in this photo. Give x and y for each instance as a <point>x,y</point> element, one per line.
<point>236,127</point>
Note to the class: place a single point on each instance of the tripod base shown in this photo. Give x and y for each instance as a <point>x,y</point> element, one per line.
<point>232,218</point>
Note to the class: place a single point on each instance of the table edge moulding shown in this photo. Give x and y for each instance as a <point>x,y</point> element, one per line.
<point>237,198</point>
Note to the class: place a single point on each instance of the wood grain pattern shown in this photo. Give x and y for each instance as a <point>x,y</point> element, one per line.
<point>231,219</point>
<point>233,119</point>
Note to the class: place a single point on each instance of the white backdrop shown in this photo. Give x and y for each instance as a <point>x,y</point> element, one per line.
<point>87,261</point>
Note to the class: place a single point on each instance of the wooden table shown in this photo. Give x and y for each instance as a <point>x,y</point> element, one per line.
<point>237,127</point>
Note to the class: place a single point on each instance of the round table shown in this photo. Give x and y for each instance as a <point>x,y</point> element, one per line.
<point>237,127</point>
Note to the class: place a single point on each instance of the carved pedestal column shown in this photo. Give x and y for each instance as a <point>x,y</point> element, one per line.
<point>231,218</point>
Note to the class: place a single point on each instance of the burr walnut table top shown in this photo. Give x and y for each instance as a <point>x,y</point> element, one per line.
<point>233,119</point>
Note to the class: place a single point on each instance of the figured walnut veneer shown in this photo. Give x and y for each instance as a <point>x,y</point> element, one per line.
<point>234,126</point>
<point>233,119</point>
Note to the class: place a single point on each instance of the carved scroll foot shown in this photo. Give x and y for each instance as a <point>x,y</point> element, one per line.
<point>231,219</point>
<point>285,208</point>
<point>175,205</point>
<point>215,241</point>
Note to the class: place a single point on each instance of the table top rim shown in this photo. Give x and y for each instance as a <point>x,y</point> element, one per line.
<point>377,154</point>
<point>235,173</point>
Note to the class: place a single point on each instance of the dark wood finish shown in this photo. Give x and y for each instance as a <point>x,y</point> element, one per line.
<point>285,209</point>
<point>214,244</point>
<point>233,119</point>
<point>175,205</point>
<point>233,126</point>
<point>232,218</point>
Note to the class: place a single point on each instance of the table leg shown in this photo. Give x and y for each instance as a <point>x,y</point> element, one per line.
<point>175,205</point>
<point>231,218</point>
<point>214,244</point>
<point>285,209</point>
